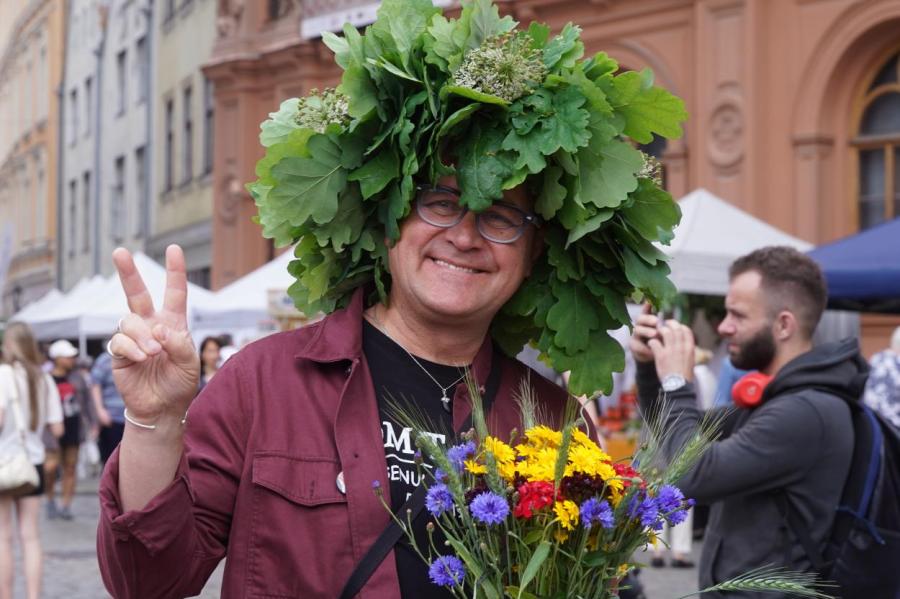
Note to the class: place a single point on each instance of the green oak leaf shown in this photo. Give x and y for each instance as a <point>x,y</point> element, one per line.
<point>573,317</point>
<point>403,21</point>
<point>647,109</point>
<point>653,213</point>
<point>483,167</point>
<point>309,187</point>
<point>374,175</point>
<point>484,21</point>
<point>608,171</point>
<point>590,370</point>
<point>652,280</point>
<point>564,49</point>
<point>552,194</point>
<point>347,225</point>
<point>588,226</point>
<point>280,124</point>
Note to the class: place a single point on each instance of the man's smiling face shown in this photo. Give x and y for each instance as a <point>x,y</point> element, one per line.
<point>455,272</point>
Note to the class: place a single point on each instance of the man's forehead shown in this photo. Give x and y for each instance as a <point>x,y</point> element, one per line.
<point>744,290</point>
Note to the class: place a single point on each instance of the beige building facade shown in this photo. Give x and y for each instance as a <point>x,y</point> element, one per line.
<point>31,51</point>
<point>184,145</point>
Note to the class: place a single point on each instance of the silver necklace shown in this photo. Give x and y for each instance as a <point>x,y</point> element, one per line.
<point>445,399</point>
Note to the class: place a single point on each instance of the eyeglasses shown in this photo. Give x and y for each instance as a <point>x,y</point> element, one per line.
<point>501,223</point>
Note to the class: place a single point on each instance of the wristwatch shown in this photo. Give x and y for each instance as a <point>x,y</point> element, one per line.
<point>673,382</point>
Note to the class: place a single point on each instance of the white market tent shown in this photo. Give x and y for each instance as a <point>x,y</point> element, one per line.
<point>94,306</point>
<point>711,235</point>
<point>35,309</point>
<point>244,304</point>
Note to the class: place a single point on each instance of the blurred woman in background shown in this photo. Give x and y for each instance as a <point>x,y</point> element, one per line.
<point>23,381</point>
<point>210,353</point>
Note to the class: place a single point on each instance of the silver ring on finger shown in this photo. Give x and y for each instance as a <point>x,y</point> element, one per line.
<point>112,353</point>
<point>119,325</point>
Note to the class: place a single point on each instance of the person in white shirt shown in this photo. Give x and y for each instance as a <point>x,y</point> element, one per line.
<point>23,381</point>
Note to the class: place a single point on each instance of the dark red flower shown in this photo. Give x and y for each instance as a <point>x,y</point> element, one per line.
<point>532,497</point>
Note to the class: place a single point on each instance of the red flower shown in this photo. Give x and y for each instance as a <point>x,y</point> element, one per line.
<point>532,497</point>
<point>625,471</point>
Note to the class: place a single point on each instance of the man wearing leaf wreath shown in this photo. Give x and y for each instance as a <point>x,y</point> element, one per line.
<point>468,188</point>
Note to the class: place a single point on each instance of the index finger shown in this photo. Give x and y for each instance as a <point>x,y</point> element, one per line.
<point>139,300</point>
<point>175,300</point>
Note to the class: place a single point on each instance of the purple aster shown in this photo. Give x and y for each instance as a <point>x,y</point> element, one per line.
<point>458,454</point>
<point>447,570</point>
<point>643,507</point>
<point>593,510</point>
<point>438,500</point>
<point>489,508</point>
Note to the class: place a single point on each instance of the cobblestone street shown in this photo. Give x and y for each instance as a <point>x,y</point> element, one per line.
<point>71,572</point>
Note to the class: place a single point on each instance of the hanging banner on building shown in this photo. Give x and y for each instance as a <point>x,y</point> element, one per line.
<point>319,16</point>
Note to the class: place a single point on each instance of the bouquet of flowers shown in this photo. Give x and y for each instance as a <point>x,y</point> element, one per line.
<point>549,514</point>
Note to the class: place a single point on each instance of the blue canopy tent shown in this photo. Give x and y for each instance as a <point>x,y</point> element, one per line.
<point>863,270</point>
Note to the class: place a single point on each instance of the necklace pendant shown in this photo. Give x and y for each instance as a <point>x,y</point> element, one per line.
<point>446,402</point>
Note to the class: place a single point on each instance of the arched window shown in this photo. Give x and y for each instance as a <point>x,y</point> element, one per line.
<point>878,145</point>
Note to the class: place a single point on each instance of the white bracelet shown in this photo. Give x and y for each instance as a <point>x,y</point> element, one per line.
<point>149,427</point>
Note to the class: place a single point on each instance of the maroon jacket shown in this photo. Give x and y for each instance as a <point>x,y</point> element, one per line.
<point>265,441</point>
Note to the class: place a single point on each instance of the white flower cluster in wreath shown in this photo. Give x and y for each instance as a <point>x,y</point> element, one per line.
<point>322,108</point>
<point>505,66</point>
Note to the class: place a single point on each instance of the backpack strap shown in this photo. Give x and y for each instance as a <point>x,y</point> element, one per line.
<point>392,533</point>
<point>792,520</point>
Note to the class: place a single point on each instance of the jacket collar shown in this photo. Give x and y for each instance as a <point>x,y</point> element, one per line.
<point>339,337</point>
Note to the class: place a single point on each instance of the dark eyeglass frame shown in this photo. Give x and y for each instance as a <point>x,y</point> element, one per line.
<point>528,218</point>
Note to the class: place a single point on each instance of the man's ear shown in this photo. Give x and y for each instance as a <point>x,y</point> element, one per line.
<point>786,325</point>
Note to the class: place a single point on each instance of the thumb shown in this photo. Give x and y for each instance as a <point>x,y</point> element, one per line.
<point>178,344</point>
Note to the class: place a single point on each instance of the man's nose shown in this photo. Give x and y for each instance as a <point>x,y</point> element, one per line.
<point>465,234</point>
<point>726,328</point>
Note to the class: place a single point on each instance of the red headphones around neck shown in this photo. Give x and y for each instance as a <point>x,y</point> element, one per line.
<point>747,392</point>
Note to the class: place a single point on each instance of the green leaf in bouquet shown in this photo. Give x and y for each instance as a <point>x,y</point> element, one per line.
<point>539,34</point>
<point>377,172</point>
<point>600,65</point>
<point>280,124</point>
<point>442,45</point>
<point>456,118</point>
<point>347,224</point>
<point>564,49</point>
<point>484,21</point>
<point>357,85</point>
<point>512,591</point>
<point>392,69</point>
<point>308,188</point>
<point>653,214</point>
<point>403,22</point>
<point>534,565</point>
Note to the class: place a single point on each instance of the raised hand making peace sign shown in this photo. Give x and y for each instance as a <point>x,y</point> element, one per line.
<point>155,364</point>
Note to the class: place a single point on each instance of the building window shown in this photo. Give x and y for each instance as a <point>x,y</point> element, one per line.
<point>88,105</point>
<point>140,183</point>
<point>121,81</point>
<point>187,163</point>
<point>119,212</point>
<point>200,276</point>
<point>208,126</point>
<point>168,158</point>
<point>73,116</point>
<point>878,146</point>
<point>86,213</point>
<point>72,242</point>
<point>142,70</point>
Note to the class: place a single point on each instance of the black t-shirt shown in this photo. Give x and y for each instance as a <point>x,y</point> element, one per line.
<point>397,379</point>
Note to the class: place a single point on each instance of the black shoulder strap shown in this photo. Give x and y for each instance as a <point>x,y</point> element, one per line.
<point>414,504</point>
<point>795,526</point>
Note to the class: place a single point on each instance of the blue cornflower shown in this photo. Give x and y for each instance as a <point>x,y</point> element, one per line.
<point>458,454</point>
<point>669,499</point>
<point>595,510</point>
<point>447,570</point>
<point>489,508</point>
<point>643,507</point>
<point>440,476</point>
<point>438,500</point>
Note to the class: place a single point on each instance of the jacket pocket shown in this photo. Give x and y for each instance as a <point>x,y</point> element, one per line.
<point>304,481</point>
<point>299,543</point>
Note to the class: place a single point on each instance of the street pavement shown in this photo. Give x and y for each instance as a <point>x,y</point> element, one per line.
<point>71,572</point>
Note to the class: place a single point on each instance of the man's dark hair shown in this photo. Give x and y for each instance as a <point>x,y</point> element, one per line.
<point>792,281</point>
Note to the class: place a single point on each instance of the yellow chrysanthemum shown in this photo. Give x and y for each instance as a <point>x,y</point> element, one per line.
<point>507,471</point>
<point>566,514</point>
<point>540,466</point>
<point>475,468</point>
<point>543,436</point>
<point>503,453</point>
